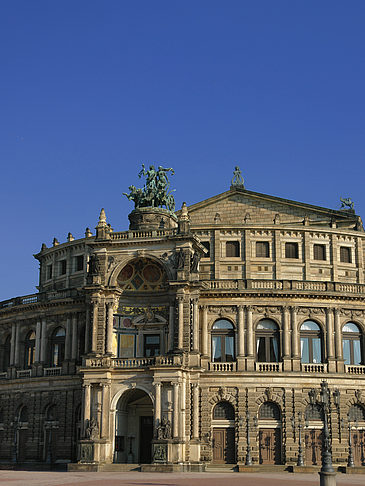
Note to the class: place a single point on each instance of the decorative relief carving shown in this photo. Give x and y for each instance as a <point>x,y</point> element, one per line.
<point>222,310</point>
<point>358,395</point>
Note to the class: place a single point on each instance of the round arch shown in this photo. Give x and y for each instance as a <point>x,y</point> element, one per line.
<point>113,278</point>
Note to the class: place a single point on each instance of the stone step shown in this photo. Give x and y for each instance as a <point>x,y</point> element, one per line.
<point>119,467</point>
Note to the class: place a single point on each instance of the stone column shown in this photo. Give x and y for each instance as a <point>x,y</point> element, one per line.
<point>286,340</point>
<point>176,411</point>
<point>171,328</point>
<point>249,331</point>
<point>182,408</point>
<point>37,342</point>
<point>205,331</point>
<point>195,326</point>
<point>109,328</point>
<point>181,322</point>
<point>86,409</point>
<point>157,405</point>
<point>195,411</point>
<point>104,432</point>
<point>338,342</point>
<point>74,337</point>
<point>44,341</point>
<point>330,341</point>
<point>94,326</point>
<point>68,339</point>
<point>87,329</point>
<point>12,344</point>
<point>17,345</point>
<point>241,332</point>
<point>295,339</point>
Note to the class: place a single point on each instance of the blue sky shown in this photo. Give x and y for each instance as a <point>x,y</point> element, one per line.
<point>91,89</point>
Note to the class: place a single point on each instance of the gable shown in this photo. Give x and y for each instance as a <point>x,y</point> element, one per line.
<point>239,206</point>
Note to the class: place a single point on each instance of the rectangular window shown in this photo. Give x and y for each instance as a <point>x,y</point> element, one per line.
<point>291,250</point>
<point>304,344</point>
<point>262,249</point>
<point>319,252</point>
<point>346,351</point>
<point>232,249</point>
<point>345,254</point>
<point>79,260</point>
<point>206,245</point>
<point>49,271</point>
<point>63,266</point>
<point>216,348</point>
<point>126,345</point>
<point>151,345</point>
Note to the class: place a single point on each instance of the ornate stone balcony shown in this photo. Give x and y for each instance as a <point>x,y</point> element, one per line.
<point>314,367</point>
<point>231,366</point>
<point>24,373</point>
<point>55,371</point>
<point>355,369</point>
<point>268,367</point>
<point>132,235</point>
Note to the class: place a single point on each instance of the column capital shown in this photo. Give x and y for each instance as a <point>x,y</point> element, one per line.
<point>180,299</point>
<point>250,308</point>
<point>329,311</point>
<point>337,311</point>
<point>157,383</point>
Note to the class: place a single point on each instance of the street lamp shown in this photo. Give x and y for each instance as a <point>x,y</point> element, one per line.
<point>16,426</point>
<point>300,461</point>
<point>327,473</point>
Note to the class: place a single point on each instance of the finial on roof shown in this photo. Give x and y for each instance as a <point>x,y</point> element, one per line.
<point>88,233</point>
<point>237,180</point>
<point>347,203</point>
<point>70,237</point>
<point>44,247</point>
<point>184,220</point>
<point>102,218</point>
<point>55,242</point>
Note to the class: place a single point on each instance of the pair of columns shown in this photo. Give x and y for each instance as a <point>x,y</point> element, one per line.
<point>95,403</point>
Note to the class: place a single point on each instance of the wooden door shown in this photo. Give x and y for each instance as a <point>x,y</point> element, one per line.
<point>358,439</point>
<point>22,444</point>
<point>224,446</point>
<point>270,446</point>
<point>313,447</point>
<point>145,439</point>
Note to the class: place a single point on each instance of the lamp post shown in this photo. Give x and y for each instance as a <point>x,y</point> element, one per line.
<point>350,460</point>
<point>327,473</point>
<point>300,461</point>
<point>16,426</point>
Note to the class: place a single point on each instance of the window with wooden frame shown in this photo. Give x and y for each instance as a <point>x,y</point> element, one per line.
<point>351,344</point>
<point>63,267</point>
<point>223,346</point>
<point>311,342</point>
<point>291,250</point>
<point>232,249</point>
<point>267,341</point>
<point>262,249</point>
<point>345,254</point>
<point>319,252</point>
<point>29,350</point>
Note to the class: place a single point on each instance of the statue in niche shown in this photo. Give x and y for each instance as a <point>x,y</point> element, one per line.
<point>92,429</point>
<point>195,262</point>
<point>164,429</point>
<point>94,266</point>
<point>180,263</point>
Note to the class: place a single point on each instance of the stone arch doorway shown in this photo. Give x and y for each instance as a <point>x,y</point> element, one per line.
<point>269,433</point>
<point>133,428</point>
<point>223,436</point>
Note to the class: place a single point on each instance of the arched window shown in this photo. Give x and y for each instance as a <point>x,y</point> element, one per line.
<point>29,349</point>
<point>356,412</point>
<point>311,342</point>
<point>81,345</point>
<point>51,415</point>
<point>223,411</point>
<point>223,341</point>
<point>267,341</point>
<point>6,354</point>
<point>58,346</point>
<point>269,411</point>
<point>23,414</point>
<point>351,344</point>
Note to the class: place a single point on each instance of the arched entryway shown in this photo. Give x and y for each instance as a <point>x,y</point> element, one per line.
<point>133,428</point>
<point>356,416</point>
<point>269,433</point>
<point>223,436</point>
<point>313,434</point>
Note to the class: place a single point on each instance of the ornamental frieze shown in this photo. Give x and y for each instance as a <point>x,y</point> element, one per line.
<point>222,309</point>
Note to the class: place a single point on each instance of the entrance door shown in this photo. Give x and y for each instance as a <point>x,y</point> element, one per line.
<point>22,444</point>
<point>358,439</point>
<point>270,446</point>
<point>145,439</point>
<point>313,447</point>
<point>223,446</point>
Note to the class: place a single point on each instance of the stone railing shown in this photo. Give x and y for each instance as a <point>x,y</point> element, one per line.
<point>133,362</point>
<point>314,367</point>
<point>24,373</point>
<point>355,369</point>
<point>285,285</point>
<point>268,367</point>
<point>232,366</point>
<point>41,297</point>
<point>55,371</point>
<point>132,235</point>
<point>3,375</point>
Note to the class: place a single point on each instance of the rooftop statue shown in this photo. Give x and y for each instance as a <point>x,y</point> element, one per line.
<point>155,192</point>
<point>346,203</point>
<point>237,180</point>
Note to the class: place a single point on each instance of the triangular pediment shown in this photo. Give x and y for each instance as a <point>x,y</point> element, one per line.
<point>240,206</point>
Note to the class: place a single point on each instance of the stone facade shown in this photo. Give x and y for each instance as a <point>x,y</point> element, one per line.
<point>191,339</point>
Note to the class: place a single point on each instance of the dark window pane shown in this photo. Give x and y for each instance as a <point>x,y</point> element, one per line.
<point>229,343</point>
<point>319,252</point>
<point>345,254</point>
<point>223,410</point>
<point>262,249</point>
<point>357,412</point>
<point>269,410</point>
<point>79,263</point>
<point>216,348</point>
<point>346,351</point>
<point>232,249</point>
<point>291,250</point>
<point>261,351</point>
<point>206,245</point>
